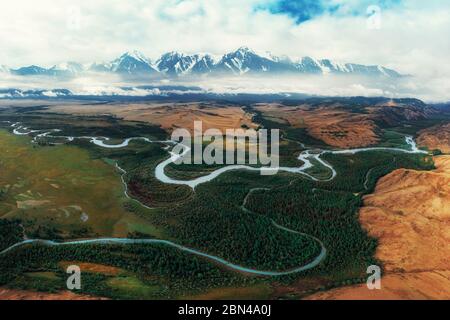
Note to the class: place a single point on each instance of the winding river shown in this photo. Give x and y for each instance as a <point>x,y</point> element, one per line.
<point>306,157</point>
<point>213,258</point>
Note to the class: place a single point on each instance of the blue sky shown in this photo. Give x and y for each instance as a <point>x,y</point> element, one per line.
<point>304,10</point>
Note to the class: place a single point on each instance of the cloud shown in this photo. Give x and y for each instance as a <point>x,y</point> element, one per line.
<point>412,36</point>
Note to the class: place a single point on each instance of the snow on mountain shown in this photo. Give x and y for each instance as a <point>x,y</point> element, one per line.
<point>174,63</point>
<point>279,59</point>
<point>31,71</point>
<point>245,60</point>
<point>204,65</point>
<point>371,70</point>
<point>325,66</point>
<point>60,70</point>
<point>242,61</point>
<point>331,67</point>
<point>129,63</point>
<point>309,65</point>
<point>132,63</point>
<point>67,69</point>
<point>101,67</point>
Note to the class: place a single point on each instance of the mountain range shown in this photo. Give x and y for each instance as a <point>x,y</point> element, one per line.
<point>175,64</point>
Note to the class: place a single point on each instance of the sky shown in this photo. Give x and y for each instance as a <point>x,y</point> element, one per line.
<point>410,36</point>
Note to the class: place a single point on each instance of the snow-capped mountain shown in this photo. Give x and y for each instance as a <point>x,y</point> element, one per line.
<point>66,69</point>
<point>130,63</point>
<point>31,71</point>
<point>174,63</point>
<point>240,62</point>
<point>371,70</point>
<point>244,60</point>
<point>101,67</point>
<point>133,63</point>
<point>204,65</point>
<point>308,65</point>
<point>325,66</point>
<point>328,66</point>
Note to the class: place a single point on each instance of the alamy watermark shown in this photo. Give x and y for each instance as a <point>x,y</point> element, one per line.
<point>232,147</point>
<point>374,280</point>
<point>373,17</point>
<point>74,280</point>
<point>73,18</point>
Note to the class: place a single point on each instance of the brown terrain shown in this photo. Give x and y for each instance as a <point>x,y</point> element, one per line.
<point>345,126</point>
<point>409,213</point>
<point>334,123</point>
<point>93,267</point>
<point>391,113</point>
<point>13,294</point>
<point>437,137</point>
<point>331,124</point>
<point>402,286</point>
<point>168,115</point>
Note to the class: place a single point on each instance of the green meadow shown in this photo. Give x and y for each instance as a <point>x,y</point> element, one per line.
<point>61,192</point>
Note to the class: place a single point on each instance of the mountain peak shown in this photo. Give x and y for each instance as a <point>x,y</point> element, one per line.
<point>131,63</point>
<point>175,63</point>
<point>137,55</point>
<point>69,65</point>
<point>172,54</point>
<point>244,51</point>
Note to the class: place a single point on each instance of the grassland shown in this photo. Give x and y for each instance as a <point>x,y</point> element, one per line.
<point>61,192</point>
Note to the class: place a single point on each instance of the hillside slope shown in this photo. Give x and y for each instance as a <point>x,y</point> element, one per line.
<point>409,213</point>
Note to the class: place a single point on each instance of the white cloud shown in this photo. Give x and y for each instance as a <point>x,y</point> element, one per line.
<point>413,38</point>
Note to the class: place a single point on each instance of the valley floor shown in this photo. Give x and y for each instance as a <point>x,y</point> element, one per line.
<point>63,180</point>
